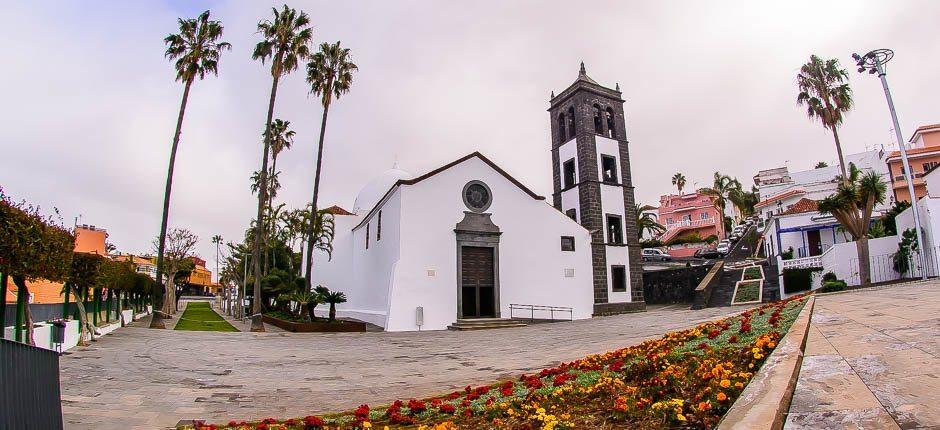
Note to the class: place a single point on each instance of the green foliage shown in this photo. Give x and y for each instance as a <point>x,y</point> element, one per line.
<point>829,277</point>
<point>888,219</point>
<point>877,229</point>
<point>711,238</point>
<point>824,91</point>
<point>747,291</point>
<point>906,249</point>
<point>652,243</point>
<point>679,181</point>
<point>196,48</point>
<point>788,254</point>
<point>646,222</point>
<point>832,286</point>
<point>752,273</point>
<point>798,279</point>
<point>33,246</point>
<point>688,238</point>
<point>199,316</point>
<point>821,165</point>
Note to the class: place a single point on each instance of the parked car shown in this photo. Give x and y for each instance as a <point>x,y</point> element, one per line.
<point>724,247</point>
<point>653,254</point>
<point>707,253</point>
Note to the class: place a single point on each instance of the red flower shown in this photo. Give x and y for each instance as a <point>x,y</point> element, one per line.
<point>733,339</point>
<point>447,408</point>
<point>713,334</point>
<point>362,412</point>
<point>416,406</point>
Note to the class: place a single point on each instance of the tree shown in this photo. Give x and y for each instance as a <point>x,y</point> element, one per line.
<point>32,246</point>
<point>888,219</point>
<point>744,200</point>
<point>821,164</point>
<point>825,92</point>
<point>217,240</point>
<point>196,49</point>
<point>679,181</point>
<point>721,188</point>
<point>852,205</point>
<point>304,300</point>
<point>333,298</point>
<point>285,41</point>
<point>83,277</point>
<point>329,74</point>
<point>646,222</point>
<point>179,245</point>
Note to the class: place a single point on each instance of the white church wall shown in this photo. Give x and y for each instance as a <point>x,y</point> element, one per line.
<point>569,198</point>
<point>531,263</point>
<point>374,267</point>
<point>618,256</point>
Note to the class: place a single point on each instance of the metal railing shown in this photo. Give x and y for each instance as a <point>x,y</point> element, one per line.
<point>29,387</point>
<point>803,263</point>
<point>532,309</point>
<point>886,267</point>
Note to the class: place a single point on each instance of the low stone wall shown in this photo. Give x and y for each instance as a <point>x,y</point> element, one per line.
<point>314,327</point>
<point>703,291</point>
<point>766,399</point>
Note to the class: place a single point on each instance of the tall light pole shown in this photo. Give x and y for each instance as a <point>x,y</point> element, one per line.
<point>874,62</point>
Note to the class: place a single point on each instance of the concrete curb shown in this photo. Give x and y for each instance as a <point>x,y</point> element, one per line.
<point>766,399</point>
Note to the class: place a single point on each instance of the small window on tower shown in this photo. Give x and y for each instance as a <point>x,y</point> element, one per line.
<point>561,127</point>
<point>569,173</point>
<point>367,236</point>
<point>378,228</point>
<point>572,130</point>
<point>614,230</point>
<point>598,122</point>
<point>567,243</point>
<point>572,213</point>
<point>611,127</point>
<point>609,168</point>
<point>618,278</point>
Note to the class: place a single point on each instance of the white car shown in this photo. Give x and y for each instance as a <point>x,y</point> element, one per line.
<point>653,254</point>
<point>724,247</point>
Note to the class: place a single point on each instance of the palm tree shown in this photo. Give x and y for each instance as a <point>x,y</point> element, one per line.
<point>196,49</point>
<point>304,299</point>
<point>282,137</point>
<point>825,92</point>
<point>645,221</point>
<point>333,298</point>
<point>744,200</point>
<point>217,240</point>
<point>721,187</point>
<point>329,74</point>
<point>679,181</point>
<point>286,42</point>
<point>852,205</point>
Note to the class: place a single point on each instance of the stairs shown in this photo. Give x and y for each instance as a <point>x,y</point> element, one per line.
<point>484,324</point>
<point>721,295</point>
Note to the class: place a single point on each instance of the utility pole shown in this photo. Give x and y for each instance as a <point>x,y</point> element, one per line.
<point>874,62</point>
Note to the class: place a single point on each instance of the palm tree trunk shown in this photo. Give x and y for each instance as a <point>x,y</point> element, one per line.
<point>845,176</point>
<point>332,311</point>
<point>256,323</point>
<point>311,241</point>
<point>159,292</point>
<point>864,264</point>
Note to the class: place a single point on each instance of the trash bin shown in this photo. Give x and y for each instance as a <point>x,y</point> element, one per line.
<point>58,331</point>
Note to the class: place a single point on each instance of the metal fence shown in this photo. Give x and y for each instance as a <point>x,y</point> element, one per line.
<point>29,387</point>
<point>673,285</point>
<point>887,267</point>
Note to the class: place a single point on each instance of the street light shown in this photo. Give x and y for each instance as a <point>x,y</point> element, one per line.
<point>874,62</point>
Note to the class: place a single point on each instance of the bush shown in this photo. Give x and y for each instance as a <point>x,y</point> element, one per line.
<point>652,243</point>
<point>800,279</point>
<point>689,238</point>
<point>711,239</point>
<point>829,277</point>
<point>788,254</point>
<point>831,286</point>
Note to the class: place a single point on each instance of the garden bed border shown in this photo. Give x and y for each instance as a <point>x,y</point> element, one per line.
<point>760,292</point>
<point>765,402</point>
<point>316,327</point>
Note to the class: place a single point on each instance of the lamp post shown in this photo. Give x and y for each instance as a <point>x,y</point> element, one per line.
<point>874,62</point>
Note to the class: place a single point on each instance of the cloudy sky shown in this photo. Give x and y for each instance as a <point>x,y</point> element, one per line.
<point>90,102</point>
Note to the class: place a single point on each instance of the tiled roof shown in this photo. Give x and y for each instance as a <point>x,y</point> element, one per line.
<point>780,196</point>
<point>336,210</point>
<point>923,128</point>
<point>803,206</point>
<point>915,151</point>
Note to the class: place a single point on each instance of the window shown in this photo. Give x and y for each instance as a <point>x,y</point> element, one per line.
<point>569,173</point>
<point>611,128</point>
<point>609,168</point>
<point>562,124</point>
<point>572,213</point>
<point>378,228</point>
<point>930,165</point>
<point>703,215</point>
<point>614,230</point>
<point>567,243</point>
<point>618,278</point>
<point>598,122</point>
<point>367,236</point>
<point>572,130</point>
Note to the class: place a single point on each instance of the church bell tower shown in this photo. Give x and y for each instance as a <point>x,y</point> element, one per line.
<point>593,186</point>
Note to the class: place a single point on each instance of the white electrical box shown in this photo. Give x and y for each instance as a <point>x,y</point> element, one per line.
<point>569,273</point>
<point>419,316</point>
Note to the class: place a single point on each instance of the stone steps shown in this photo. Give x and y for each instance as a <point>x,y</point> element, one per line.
<point>484,324</point>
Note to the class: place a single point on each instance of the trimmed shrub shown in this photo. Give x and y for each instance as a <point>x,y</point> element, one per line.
<point>800,279</point>
<point>829,277</point>
<point>831,286</point>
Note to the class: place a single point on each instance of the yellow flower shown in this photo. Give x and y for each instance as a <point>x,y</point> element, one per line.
<point>680,417</point>
<point>366,425</point>
<point>725,383</point>
<point>738,385</point>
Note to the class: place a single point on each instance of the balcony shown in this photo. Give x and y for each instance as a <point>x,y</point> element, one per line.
<point>675,228</point>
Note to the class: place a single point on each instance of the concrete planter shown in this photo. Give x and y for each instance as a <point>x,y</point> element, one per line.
<point>313,327</point>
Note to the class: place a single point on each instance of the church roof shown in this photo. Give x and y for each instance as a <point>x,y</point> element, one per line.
<point>336,210</point>
<point>475,154</point>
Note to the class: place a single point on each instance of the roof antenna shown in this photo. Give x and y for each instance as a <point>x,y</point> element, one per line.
<point>582,69</point>
<point>395,163</point>
<point>553,94</point>
<point>618,86</point>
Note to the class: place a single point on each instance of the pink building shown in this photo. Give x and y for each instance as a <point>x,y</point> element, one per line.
<point>688,214</point>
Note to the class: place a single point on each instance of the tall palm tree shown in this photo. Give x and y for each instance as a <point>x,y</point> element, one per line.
<point>825,92</point>
<point>196,49</point>
<point>217,240</point>
<point>852,205</point>
<point>679,181</point>
<point>282,137</point>
<point>722,186</point>
<point>329,74</point>
<point>286,42</point>
<point>646,222</point>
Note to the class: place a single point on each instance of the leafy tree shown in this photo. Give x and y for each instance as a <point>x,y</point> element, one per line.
<point>333,298</point>
<point>679,181</point>
<point>83,277</point>
<point>32,246</point>
<point>719,192</point>
<point>824,91</point>
<point>646,222</point>
<point>304,301</point>
<point>888,219</point>
<point>744,200</point>
<point>906,247</point>
<point>196,49</point>
<point>178,250</point>
<point>329,74</point>
<point>821,164</point>
<point>285,42</point>
<point>852,205</point>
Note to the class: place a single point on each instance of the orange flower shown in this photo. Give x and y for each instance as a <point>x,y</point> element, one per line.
<point>725,383</point>
<point>722,397</point>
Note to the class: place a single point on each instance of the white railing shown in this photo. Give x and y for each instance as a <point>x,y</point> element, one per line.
<point>803,263</point>
<point>689,223</point>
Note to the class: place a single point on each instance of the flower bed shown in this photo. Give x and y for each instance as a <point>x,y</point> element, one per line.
<point>315,326</point>
<point>687,378</point>
<point>746,292</point>
<point>752,273</point>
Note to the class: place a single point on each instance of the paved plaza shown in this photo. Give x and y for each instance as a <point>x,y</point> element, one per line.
<point>872,361</point>
<point>139,378</point>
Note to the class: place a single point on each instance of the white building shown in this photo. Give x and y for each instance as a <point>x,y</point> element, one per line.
<point>467,240</point>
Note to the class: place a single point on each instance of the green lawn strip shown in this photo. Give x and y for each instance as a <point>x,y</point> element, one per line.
<point>752,273</point>
<point>747,291</point>
<point>199,316</point>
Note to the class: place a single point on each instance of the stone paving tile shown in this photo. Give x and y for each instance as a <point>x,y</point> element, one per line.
<point>881,361</point>
<point>221,376</point>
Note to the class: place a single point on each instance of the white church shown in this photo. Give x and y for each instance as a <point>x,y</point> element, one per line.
<point>465,241</point>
